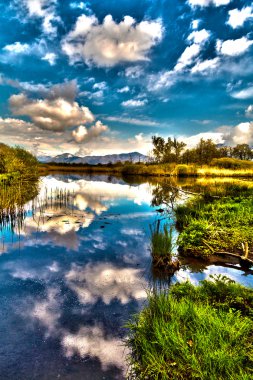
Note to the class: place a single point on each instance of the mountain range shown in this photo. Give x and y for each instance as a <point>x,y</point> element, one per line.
<point>68,158</point>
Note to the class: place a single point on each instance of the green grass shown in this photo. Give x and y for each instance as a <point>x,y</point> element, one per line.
<point>219,225</point>
<point>161,240</point>
<point>202,332</point>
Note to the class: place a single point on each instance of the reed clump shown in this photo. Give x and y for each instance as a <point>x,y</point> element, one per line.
<point>162,247</point>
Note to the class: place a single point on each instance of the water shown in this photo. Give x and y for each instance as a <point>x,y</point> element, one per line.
<point>73,272</point>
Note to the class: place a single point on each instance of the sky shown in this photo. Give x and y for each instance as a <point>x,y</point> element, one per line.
<point>101,77</point>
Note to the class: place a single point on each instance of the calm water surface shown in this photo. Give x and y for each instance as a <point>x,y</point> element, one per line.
<point>73,273</point>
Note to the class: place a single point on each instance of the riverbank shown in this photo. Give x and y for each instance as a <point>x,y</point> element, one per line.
<point>239,169</point>
<point>219,225</point>
<point>194,332</point>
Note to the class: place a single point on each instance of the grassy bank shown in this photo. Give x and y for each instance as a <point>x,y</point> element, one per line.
<point>216,225</point>
<point>202,332</point>
<point>239,168</point>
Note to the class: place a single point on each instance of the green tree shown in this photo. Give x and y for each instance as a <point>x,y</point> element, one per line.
<point>206,150</point>
<point>242,151</point>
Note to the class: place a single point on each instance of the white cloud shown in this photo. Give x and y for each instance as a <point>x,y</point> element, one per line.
<point>199,36</point>
<point>233,47</point>
<point>17,48</point>
<point>192,141</point>
<point>51,114</point>
<point>100,86</point>
<point>187,57</point>
<point>134,103</point>
<point>83,134</point>
<point>46,11</point>
<point>126,120</point>
<point>249,110</point>
<point>134,72</point>
<point>17,124</point>
<point>206,66</point>
<point>123,90</point>
<point>238,17</point>
<point>47,312</point>
<point>191,52</point>
<point>109,43</point>
<point>240,134</point>
<point>243,94</point>
<point>107,282</point>
<point>50,58</point>
<point>195,24</point>
<point>93,342</point>
<point>206,3</point>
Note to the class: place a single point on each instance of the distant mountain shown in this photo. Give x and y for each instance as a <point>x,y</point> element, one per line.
<point>68,158</point>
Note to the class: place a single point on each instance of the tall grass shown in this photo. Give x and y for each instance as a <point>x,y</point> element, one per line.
<point>193,333</point>
<point>161,240</point>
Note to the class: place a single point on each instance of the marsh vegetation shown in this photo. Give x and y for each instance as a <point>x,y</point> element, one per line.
<point>194,332</point>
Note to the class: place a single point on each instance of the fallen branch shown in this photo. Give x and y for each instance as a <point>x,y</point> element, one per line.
<point>241,258</point>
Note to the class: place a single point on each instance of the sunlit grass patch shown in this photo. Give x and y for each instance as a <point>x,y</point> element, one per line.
<point>202,332</point>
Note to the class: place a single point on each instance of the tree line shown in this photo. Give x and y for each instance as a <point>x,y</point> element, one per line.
<point>172,150</point>
<point>17,160</point>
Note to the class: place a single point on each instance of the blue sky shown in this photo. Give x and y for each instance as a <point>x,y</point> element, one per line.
<point>92,77</point>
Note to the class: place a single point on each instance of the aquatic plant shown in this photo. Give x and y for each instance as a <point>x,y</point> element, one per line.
<point>161,240</point>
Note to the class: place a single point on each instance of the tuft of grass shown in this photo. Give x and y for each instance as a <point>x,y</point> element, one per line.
<point>161,240</point>
<point>202,332</point>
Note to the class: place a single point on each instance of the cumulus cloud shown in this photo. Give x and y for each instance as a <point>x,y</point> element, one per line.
<point>207,3</point>
<point>110,43</point>
<point>240,134</point>
<point>134,103</point>
<point>238,17</point>
<point>233,47</point>
<point>55,114</point>
<point>84,135</point>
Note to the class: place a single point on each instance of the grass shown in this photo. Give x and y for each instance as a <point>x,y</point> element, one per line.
<point>161,243</point>
<point>163,170</point>
<point>219,225</point>
<point>218,220</point>
<point>202,332</point>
